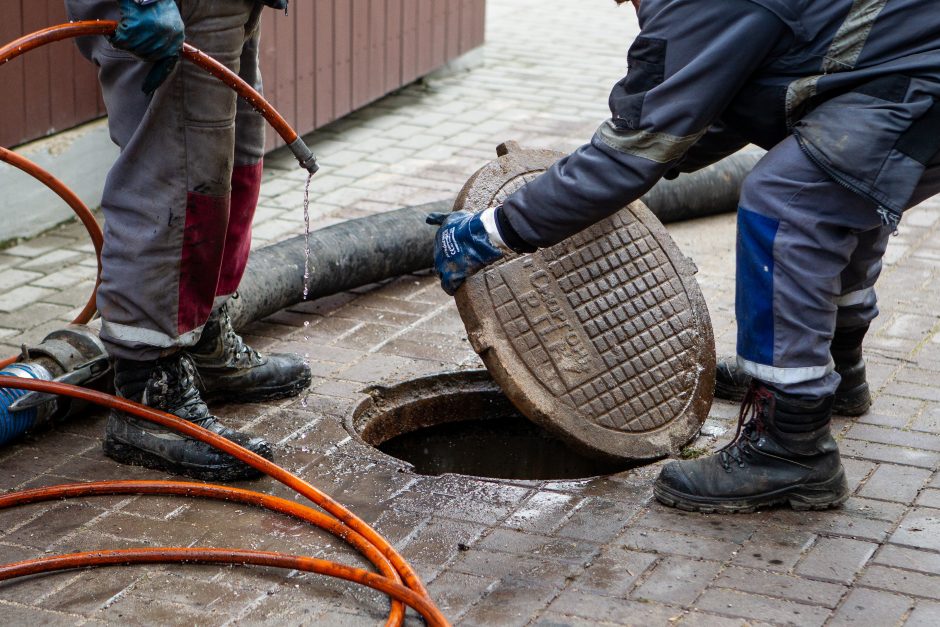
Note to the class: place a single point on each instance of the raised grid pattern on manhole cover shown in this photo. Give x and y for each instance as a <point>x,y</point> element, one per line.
<point>635,313</point>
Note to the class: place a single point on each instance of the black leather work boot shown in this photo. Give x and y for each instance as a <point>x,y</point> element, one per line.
<point>853,396</point>
<point>229,369</point>
<point>168,384</point>
<point>782,453</point>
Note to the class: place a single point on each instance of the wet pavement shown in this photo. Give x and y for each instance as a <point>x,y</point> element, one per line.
<point>493,552</point>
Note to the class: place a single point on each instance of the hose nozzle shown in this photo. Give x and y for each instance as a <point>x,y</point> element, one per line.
<point>304,155</point>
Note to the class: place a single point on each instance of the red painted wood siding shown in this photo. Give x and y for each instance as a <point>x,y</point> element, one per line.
<point>323,60</point>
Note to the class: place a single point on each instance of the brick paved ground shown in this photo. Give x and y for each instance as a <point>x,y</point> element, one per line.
<point>588,552</point>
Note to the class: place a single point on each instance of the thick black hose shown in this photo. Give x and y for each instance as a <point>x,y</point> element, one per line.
<point>342,256</point>
<point>709,191</point>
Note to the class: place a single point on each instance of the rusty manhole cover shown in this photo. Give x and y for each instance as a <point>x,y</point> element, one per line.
<point>603,339</point>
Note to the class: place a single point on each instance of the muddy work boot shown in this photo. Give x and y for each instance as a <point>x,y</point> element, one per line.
<point>229,369</point>
<point>782,453</point>
<point>853,396</point>
<point>168,384</point>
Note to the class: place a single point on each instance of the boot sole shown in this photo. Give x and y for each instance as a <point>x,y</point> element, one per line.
<point>729,392</point>
<point>259,395</point>
<point>127,454</point>
<point>814,496</point>
<point>855,402</point>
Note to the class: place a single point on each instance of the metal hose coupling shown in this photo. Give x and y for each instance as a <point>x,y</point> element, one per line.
<point>304,155</point>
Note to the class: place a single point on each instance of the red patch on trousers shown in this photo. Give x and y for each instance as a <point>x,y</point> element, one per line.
<point>201,259</point>
<point>246,185</point>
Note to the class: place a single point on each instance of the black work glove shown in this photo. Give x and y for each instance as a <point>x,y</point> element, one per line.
<point>152,31</point>
<point>276,4</point>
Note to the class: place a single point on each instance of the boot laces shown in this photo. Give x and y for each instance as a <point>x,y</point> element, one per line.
<point>236,350</point>
<point>172,388</point>
<point>758,401</point>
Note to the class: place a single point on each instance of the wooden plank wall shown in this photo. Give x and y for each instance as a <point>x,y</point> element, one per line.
<point>49,89</point>
<point>320,62</point>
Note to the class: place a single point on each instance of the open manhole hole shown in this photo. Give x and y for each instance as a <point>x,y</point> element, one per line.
<point>462,423</point>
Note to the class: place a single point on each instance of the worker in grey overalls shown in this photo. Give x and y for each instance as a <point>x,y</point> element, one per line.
<point>178,206</point>
<point>845,96</point>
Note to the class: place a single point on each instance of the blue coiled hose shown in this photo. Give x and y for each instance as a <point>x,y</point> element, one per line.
<point>14,424</point>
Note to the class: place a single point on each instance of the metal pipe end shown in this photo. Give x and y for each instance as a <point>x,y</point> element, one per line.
<point>304,155</point>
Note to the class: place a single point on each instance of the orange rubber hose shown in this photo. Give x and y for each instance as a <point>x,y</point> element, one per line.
<point>221,493</point>
<point>197,555</point>
<point>343,515</point>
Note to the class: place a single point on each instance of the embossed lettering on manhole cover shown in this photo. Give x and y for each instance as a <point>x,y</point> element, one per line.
<point>603,339</point>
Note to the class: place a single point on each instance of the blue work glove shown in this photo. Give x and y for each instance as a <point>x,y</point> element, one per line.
<point>276,4</point>
<point>153,31</point>
<point>461,247</point>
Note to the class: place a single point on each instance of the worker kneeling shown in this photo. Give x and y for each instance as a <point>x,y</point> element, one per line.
<point>844,96</point>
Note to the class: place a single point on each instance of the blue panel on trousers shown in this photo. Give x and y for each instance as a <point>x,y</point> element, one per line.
<point>754,302</point>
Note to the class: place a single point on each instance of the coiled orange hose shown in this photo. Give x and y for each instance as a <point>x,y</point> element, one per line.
<point>343,517</point>
<point>398,579</point>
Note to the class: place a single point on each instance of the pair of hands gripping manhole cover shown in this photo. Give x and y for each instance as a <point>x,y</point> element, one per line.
<point>603,339</point>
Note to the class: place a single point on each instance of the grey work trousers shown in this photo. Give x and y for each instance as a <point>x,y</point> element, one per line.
<point>808,255</point>
<point>179,201</point>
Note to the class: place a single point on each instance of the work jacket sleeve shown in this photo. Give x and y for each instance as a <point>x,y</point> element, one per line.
<point>718,142</point>
<point>688,63</point>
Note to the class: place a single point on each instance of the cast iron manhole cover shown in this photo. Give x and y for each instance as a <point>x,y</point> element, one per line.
<point>603,339</point>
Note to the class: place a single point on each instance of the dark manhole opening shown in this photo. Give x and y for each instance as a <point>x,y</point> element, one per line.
<point>462,423</point>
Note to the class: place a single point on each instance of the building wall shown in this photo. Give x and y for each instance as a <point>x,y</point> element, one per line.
<point>321,61</point>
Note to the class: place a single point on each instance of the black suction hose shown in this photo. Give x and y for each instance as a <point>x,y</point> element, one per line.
<point>342,256</point>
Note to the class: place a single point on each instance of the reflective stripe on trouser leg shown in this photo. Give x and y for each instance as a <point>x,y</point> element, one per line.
<point>167,196</point>
<point>790,276</point>
<point>858,303</point>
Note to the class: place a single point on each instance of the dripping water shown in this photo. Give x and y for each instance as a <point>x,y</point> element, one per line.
<point>307,236</point>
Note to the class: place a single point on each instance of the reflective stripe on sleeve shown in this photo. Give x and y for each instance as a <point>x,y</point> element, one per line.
<point>658,147</point>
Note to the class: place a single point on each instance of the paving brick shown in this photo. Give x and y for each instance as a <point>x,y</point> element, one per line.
<point>895,437</point>
<point>730,529</point>
<point>613,610</point>
<point>895,483</point>
<point>456,592</point>
<point>872,607</point>
<point>838,523</point>
<point>542,512</point>
<point>901,581</point>
<point>929,498</point>
<point>10,278</point>
<point>677,580</point>
<point>928,421</point>
<point>925,614</point>
<point>598,520</point>
<point>774,548</point>
<point>731,603</point>
<point>856,471</point>
<point>19,297</point>
<point>669,543</point>
<point>20,614</point>
<point>783,586</point>
<point>908,559</point>
<point>920,529</point>
<point>891,454</point>
<point>508,603</point>
<point>836,559</point>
